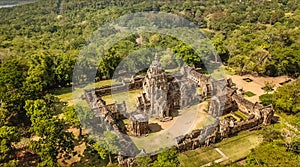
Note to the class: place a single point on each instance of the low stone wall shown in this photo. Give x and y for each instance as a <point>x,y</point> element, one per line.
<point>115,88</point>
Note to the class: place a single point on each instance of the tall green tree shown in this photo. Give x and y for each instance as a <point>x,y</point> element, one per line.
<point>143,161</point>
<point>72,119</point>
<point>287,97</point>
<point>50,131</point>
<point>107,145</point>
<point>8,135</point>
<point>12,98</point>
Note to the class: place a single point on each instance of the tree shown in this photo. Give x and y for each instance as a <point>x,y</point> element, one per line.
<point>270,134</point>
<point>168,62</point>
<point>287,97</point>
<point>64,65</point>
<point>8,135</point>
<point>143,161</point>
<point>222,51</point>
<point>240,61</point>
<point>167,158</point>
<point>71,118</point>
<point>261,57</point>
<point>295,147</point>
<point>107,145</point>
<point>50,130</point>
<point>269,87</point>
<point>40,76</point>
<point>187,54</point>
<point>264,156</point>
<point>12,98</point>
<point>4,115</point>
<point>266,99</point>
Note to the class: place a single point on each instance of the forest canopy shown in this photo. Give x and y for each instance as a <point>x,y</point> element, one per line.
<point>40,41</point>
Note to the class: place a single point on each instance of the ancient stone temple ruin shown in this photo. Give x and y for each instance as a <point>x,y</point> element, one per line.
<point>163,94</point>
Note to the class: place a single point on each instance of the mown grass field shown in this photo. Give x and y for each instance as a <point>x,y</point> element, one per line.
<point>198,157</point>
<point>235,148</point>
<point>239,146</point>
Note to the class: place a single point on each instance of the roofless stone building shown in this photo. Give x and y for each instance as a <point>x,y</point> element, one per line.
<point>139,125</point>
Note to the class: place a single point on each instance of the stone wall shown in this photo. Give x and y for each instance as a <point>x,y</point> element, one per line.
<point>134,84</point>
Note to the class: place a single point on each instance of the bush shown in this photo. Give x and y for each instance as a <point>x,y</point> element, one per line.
<point>266,99</point>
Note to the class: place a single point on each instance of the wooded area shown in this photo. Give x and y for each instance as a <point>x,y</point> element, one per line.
<point>39,43</point>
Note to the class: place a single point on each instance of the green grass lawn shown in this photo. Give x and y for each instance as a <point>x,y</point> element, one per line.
<point>230,114</point>
<point>218,73</point>
<point>249,94</point>
<point>129,98</point>
<point>153,142</point>
<point>66,94</point>
<point>198,157</point>
<point>242,115</point>
<point>239,146</point>
<point>199,90</point>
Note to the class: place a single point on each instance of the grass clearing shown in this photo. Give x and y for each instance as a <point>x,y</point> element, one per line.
<point>249,94</point>
<point>199,90</point>
<point>66,94</point>
<point>231,115</point>
<point>153,142</point>
<point>239,146</point>
<point>218,73</point>
<point>129,98</point>
<point>198,157</point>
<point>242,115</point>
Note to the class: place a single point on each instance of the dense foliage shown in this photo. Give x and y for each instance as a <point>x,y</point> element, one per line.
<point>287,97</point>
<point>39,43</point>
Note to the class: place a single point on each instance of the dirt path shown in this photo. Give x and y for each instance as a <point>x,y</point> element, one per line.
<point>180,125</point>
<point>257,83</point>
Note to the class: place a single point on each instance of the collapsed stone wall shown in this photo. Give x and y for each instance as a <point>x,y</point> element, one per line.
<point>113,112</point>
<point>134,84</point>
<point>108,117</point>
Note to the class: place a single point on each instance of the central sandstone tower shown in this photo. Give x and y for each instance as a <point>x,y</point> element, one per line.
<point>156,88</point>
